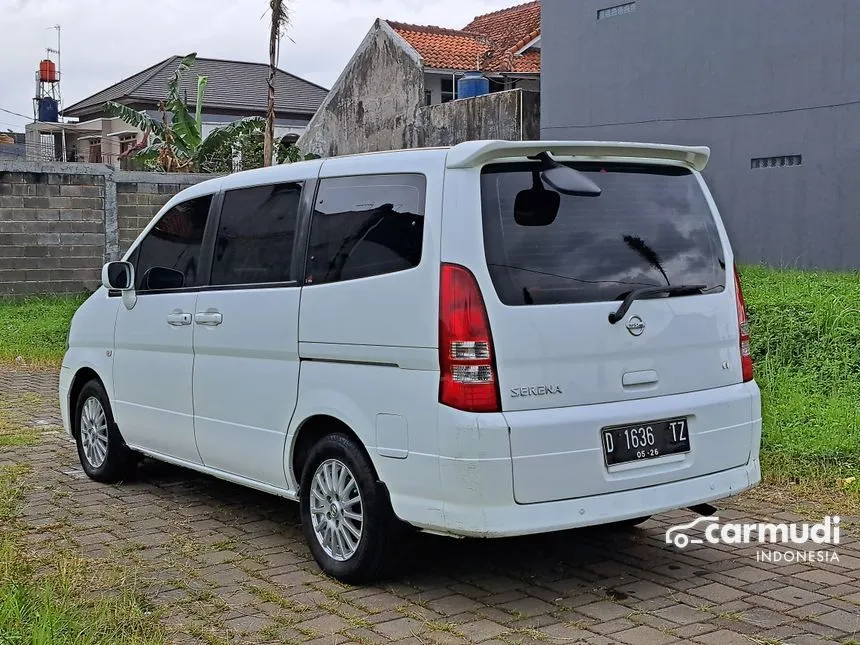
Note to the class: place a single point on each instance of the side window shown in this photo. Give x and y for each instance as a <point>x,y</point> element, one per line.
<point>169,256</point>
<point>365,226</point>
<point>256,235</point>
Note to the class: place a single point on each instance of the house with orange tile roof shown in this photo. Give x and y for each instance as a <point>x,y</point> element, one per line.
<point>400,68</point>
<point>504,45</point>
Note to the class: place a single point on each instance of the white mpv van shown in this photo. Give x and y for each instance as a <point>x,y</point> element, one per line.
<point>493,339</point>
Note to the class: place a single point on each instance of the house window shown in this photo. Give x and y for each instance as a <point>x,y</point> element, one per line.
<point>95,155</point>
<point>776,162</point>
<point>428,97</point>
<point>617,10</point>
<point>126,142</point>
<point>449,89</point>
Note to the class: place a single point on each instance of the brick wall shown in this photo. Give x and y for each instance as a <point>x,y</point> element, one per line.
<point>59,223</point>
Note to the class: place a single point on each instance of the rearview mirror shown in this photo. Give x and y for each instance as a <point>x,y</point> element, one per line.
<point>118,276</point>
<point>536,207</point>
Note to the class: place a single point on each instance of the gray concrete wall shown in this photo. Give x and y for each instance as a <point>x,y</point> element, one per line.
<point>59,222</point>
<point>513,116</point>
<point>749,79</point>
<point>373,104</point>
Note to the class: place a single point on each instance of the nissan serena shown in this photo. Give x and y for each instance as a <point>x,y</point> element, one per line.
<point>493,339</point>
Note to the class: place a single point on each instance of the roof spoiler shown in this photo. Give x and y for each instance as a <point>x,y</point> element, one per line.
<point>477,153</point>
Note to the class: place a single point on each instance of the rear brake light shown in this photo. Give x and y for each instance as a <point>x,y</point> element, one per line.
<point>467,379</point>
<point>744,329</point>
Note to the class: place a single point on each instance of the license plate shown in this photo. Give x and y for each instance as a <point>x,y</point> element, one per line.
<point>649,440</point>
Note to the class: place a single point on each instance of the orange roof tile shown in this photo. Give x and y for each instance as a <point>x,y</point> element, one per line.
<point>444,48</point>
<point>489,43</point>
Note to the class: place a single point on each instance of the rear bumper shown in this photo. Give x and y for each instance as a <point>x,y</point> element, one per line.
<point>478,475</point>
<point>522,519</point>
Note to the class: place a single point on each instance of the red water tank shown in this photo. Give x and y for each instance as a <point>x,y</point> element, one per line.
<point>47,71</point>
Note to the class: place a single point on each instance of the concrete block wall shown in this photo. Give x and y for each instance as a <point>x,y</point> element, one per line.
<point>513,115</point>
<point>60,222</point>
<point>52,232</point>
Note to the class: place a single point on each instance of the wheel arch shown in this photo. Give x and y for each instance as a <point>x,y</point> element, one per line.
<point>83,376</point>
<point>310,431</point>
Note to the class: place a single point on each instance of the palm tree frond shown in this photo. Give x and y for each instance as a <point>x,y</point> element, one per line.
<point>139,120</point>
<point>173,84</point>
<point>645,251</point>
<point>234,130</point>
<point>280,16</point>
<point>202,81</point>
<point>186,132</point>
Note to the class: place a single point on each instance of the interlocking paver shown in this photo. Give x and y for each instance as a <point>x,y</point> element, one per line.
<point>232,563</point>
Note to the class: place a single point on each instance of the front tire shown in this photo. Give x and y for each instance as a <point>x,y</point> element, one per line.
<point>104,456</point>
<point>346,516</point>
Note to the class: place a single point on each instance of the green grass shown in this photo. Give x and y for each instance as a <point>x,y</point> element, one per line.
<point>60,598</point>
<point>805,337</point>
<point>36,328</point>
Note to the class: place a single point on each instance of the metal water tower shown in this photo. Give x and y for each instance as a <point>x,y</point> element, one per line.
<point>48,99</point>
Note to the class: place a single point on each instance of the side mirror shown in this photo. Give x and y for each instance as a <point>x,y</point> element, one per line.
<point>118,276</point>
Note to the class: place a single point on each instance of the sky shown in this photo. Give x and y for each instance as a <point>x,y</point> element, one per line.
<point>104,41</point>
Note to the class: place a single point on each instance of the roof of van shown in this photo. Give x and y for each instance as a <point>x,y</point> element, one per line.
<point>471,154</point>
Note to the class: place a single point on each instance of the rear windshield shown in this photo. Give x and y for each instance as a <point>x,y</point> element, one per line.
<point>651,226</point>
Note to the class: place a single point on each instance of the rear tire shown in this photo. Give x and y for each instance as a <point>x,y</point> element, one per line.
<point>346,515</point>
<point>104,456</point>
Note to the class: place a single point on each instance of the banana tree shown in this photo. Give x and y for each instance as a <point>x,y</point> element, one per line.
<point>175,143</point>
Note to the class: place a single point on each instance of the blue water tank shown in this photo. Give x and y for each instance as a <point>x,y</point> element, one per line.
<point>472,84</point>
<point>48,110</point>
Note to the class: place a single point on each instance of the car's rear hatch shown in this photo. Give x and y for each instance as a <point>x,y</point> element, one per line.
<point>556,285</point>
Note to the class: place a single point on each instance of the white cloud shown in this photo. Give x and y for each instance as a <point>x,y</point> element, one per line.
<point>104,41</point>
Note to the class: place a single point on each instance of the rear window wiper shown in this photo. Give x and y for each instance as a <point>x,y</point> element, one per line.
<point>636,294</point>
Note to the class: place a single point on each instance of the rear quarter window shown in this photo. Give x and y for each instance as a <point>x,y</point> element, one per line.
<point>651,226</point>
<point>366,226</point>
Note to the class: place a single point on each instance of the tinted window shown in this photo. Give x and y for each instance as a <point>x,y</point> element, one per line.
<point>366,226</point>
<point>651,226</point>
<point>169,255</point>
<point>256,234</point>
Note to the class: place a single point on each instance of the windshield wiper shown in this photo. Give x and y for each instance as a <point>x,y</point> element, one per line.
<point>636,294</point>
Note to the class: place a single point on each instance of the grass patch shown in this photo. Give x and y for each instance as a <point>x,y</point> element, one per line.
<point>60,598</point>
<point>806,347</point>
<point>36,328</point>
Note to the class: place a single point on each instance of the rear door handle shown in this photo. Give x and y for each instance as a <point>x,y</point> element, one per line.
<point>178,319</point>
<point>210,318</point>
<point>645,377</point>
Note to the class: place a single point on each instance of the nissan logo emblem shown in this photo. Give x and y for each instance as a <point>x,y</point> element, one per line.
<point>635,325</point>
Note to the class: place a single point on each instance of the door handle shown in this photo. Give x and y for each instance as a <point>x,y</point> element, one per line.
<point>210,318</point>
<point>178,319</point>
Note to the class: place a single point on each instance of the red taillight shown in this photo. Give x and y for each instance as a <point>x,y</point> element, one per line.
<point>744,328</point>
<point>467,378</point>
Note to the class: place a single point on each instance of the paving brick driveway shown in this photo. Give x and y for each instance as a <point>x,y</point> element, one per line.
<point>232,562</point>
